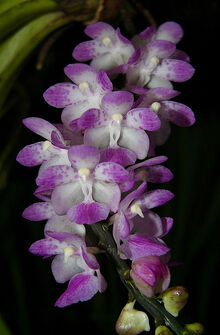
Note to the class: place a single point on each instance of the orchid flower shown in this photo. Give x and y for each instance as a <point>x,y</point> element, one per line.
<point>108,49</point>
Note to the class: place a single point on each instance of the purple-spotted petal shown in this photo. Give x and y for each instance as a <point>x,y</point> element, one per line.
<point>161,49</point>
<point>38,211</point>
<point>104,82</point>
<point>99,30</point>
<point>157,94</point>
<point>62,95</point>
<point>81,287</point>
<point>135,140</point>
<point>149,162</point>
<point>155,198</point>
<point>91,119</point>
<point>175,70</point>
<point>178,113</point>
<point>88,213</point>
<point>143,118</point>
<point>158,174</point>
<point>33,154</point>
<point>128,184</point>
<point>169,31</point>
<point>47,247</point>
<point>56,175</point>
<point>41,127</point>
<point>120,156</point>
<point>89,49</point>
<point>111,172</point>
<point>83,156</point>
<point>117,102</point>
<point>137,246</point>
<point>80,73</point>
<point>73,240</point>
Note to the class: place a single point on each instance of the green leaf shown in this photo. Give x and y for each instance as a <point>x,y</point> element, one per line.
<point>6,5</point>
<point>23,12</point>
<point>17,47</point>
<point>3,328</point>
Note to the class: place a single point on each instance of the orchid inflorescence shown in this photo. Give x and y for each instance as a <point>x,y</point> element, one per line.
<point>98,163</point>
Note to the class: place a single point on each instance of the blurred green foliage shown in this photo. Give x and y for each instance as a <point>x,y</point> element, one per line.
<point>28,289</point>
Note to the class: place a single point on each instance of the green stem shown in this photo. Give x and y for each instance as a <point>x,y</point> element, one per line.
<point>152,306</point>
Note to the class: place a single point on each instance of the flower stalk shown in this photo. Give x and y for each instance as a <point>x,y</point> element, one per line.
<point>151,305</point>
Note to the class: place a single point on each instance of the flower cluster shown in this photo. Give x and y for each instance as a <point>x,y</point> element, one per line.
<point>99,162</point>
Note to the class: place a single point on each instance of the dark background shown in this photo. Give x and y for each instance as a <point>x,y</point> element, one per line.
<point>28,290</point>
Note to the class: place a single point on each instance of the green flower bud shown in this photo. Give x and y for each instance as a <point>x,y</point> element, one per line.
<point>163,330</point>
<point>174,299</point>
<point>195,328</point>
<point>132,321</point>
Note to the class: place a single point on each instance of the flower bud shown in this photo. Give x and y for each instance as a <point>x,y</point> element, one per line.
<point>150,275</point>
<point>174,299</point>
<point>131,321</point>
<point>163,330</point>
<point>195,328</point>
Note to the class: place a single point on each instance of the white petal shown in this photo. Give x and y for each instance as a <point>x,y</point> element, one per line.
<point>135,140</point>
<point>66,196</point>
<point>108,193</point>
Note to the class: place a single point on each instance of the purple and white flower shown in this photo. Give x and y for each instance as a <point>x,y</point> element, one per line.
<point>157,100</point>
<point>141,238</point>
<point>108,48</point>
<point>153,66</point>
<point>86,191</point>
<point>53,151</point>
<point>149,171</point>
<point>117,125</point>
<point>87,91</point>
<point>168,31</point>
<point>40,211</point>
<point>73,263</point>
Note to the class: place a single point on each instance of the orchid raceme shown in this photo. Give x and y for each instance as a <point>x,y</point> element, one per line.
<point>98,165</point>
